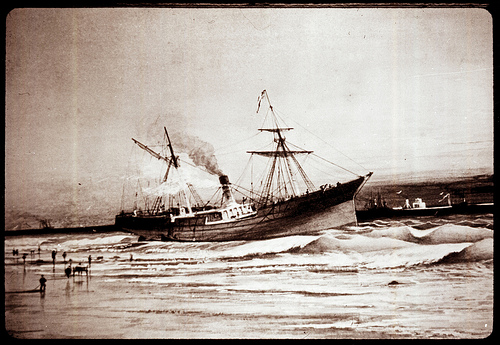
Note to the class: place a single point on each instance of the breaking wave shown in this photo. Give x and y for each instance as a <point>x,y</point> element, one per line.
<point>447,233</point>
<point>100,242</point>
<point>361,247</point>
<point>405,246</point>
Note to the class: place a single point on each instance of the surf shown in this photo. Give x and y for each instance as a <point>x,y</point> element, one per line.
<point>448,233</point>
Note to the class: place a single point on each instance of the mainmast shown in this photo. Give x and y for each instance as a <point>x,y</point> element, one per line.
<point>281,166</point>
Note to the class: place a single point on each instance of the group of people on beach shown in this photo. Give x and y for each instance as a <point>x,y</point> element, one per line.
<point>67,270</point>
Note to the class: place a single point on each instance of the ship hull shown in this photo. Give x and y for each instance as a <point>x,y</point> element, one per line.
<point>464,208</point>
<point>364,215</point>
<point>304,215</point>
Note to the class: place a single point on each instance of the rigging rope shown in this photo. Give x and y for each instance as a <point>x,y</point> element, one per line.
<point>232,145</point>
<point>237,187</point>
<point>326,160</point>
<point>333,148</point>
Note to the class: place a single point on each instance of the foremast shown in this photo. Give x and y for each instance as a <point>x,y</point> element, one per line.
<point>172,161</point>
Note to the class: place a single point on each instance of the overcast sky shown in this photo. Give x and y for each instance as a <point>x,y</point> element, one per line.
<point>397,91</point>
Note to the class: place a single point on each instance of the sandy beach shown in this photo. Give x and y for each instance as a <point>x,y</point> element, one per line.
<point>86,307</point>
<point>334,286</point>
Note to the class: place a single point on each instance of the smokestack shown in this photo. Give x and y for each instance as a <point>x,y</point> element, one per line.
<point>227,196</point>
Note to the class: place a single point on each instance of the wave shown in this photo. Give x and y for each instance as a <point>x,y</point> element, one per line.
<point>448,233</point>
<point>83,242</point>
<point>400,246</point>
<point>388,248</point>
<point>403,246</point>
<point>356,243</point>
<point>375,247</point>
<point>369,252</point>
<point>480,251</point>
<point>234,249</point>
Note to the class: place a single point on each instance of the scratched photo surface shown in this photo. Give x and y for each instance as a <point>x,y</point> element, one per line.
<point>405,93</point>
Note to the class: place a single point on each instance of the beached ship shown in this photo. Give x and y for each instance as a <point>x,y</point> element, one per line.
<point>278,209</point>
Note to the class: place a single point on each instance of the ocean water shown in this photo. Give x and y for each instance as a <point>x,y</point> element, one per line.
<point>423,277</point>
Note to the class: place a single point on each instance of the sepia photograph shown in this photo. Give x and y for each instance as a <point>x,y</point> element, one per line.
<point>246,171</point>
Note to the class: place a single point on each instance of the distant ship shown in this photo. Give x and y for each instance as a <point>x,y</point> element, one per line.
<point>379,209</point>
<point>45,224</point>
<point>419,207</point>
<point>278,209</point>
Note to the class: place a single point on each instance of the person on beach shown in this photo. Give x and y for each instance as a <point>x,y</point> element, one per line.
<point>54,256</point>
<point>64,256</point>
<point>15,253</point>
<point>42,283</point>
<point>90,260</point>
<point>67,271</point>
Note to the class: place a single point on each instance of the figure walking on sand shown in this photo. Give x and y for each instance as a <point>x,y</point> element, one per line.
<point>42,283</point>
<point>67,271</point>
<point>54,257</point>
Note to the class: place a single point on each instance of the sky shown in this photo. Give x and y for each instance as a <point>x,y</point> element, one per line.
<point>400,92</point>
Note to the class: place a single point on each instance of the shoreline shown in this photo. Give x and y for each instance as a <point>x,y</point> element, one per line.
<point>86,229</point>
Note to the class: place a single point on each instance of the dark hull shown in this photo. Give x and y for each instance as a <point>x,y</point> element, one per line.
<point>307,214</point>
<point>464,208</point>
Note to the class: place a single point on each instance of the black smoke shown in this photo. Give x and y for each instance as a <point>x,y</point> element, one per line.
<point>201,153</point>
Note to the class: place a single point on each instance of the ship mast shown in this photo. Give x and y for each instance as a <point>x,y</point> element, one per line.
<point>176,166</point>
<point>281,166</point>
<point>172,161</point>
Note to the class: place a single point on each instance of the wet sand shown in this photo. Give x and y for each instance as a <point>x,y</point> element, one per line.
<point>87,307</point>
<point>96,307</point>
